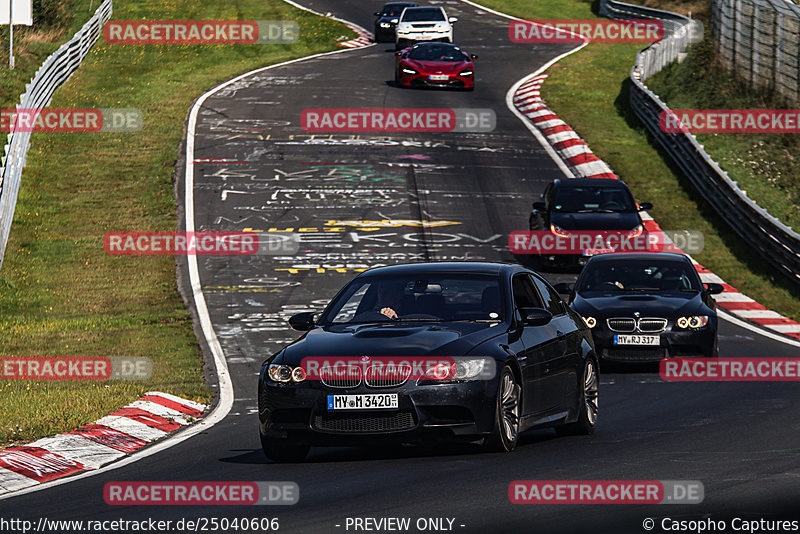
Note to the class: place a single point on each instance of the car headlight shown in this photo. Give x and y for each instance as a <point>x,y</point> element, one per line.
<point>385,25</point>
<point>469,369</point>
<point>558,230</point>
<point>285,373</point>
<point>591,322</point>
<point>403,30</point>
<point>693,321</point>
<point>467,72</point>
<point>460,369</point>
<point>407,70</point>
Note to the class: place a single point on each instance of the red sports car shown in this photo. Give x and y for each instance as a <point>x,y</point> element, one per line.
<point>435,65</point>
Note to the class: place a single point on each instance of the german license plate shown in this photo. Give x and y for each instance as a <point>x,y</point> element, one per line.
<point>633,339</point>
<point>362,402</point>
<point>438,77</point>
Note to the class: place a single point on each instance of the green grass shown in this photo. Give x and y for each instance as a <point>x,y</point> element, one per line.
<point>766,165</point>
<point>32,45</point>
<point>60,294</point>
<point>589,90</point>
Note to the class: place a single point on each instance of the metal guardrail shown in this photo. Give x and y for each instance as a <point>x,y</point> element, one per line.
<point>53,73</point>
<point>759,40</point>
<point>770,238</point>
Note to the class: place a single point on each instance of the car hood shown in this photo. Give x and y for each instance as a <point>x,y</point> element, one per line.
<point>595,221</point>
<point>437,67</point>
<point>403,339</point>
<point>669,304</point>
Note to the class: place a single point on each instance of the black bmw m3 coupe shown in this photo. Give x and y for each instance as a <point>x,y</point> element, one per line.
<point>471,351</point>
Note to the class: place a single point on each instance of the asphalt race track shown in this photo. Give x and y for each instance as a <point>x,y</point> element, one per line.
<point>341,192</point>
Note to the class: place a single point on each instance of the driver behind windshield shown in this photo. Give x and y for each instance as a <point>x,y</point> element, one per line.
<point>390,299</point>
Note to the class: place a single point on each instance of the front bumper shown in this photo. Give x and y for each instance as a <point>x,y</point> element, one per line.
<point>672,343</point>
<point>453,410</point>
<point>413,37</point>
<point>384,34</point>
<point>423,80</point>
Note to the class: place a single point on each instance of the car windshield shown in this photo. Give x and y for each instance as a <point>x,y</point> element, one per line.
<point>421,298</point>
<point>393,10</point>
<point>423,14</point>
<point>434,52</point>
<point>592,199</point>
<point>647,276</point>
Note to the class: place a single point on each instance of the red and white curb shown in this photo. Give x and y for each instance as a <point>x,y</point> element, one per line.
<point>90,447</point>
<point>584,164</point>
<point>364,37</point>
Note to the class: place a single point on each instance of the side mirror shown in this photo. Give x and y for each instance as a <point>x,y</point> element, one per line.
<point>539,205</point>
<point>377,13</point>
<point>473,56</point>
<point>451,20</point>
<point>644,206</point>
<point>563,288</point>
<point>714,289</point>
<point>302,321</point>
<point>535,316</point>
<point>399,54</point>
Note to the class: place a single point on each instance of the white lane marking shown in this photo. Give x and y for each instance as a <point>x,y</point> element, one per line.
<point>727,316</point>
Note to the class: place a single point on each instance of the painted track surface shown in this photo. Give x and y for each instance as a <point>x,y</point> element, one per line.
<point>739,439</point>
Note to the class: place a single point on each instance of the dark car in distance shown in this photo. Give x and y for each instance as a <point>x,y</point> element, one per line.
<point>586,204</point>
<point>521,358</point>
<point>435,65</point>
<point>387,20</point>
<point>646,307</point>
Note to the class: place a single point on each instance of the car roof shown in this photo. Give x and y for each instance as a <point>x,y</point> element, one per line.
<point>455,267</point>
<point>583,182</point>
<point>649,256</point>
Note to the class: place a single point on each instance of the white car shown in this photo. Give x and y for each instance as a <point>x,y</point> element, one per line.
<point>423,24</point>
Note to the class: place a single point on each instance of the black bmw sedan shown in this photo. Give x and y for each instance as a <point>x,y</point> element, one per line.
<point>387,20</point>
<point>472,351</point>
<point>646,307</point>
<point>586,204</point>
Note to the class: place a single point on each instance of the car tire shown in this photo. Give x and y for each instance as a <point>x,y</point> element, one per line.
<point>399,45</point>
<point>284,450</point>
<point>397,77</point>
<point>505,432</point>
<point>587,410</point>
